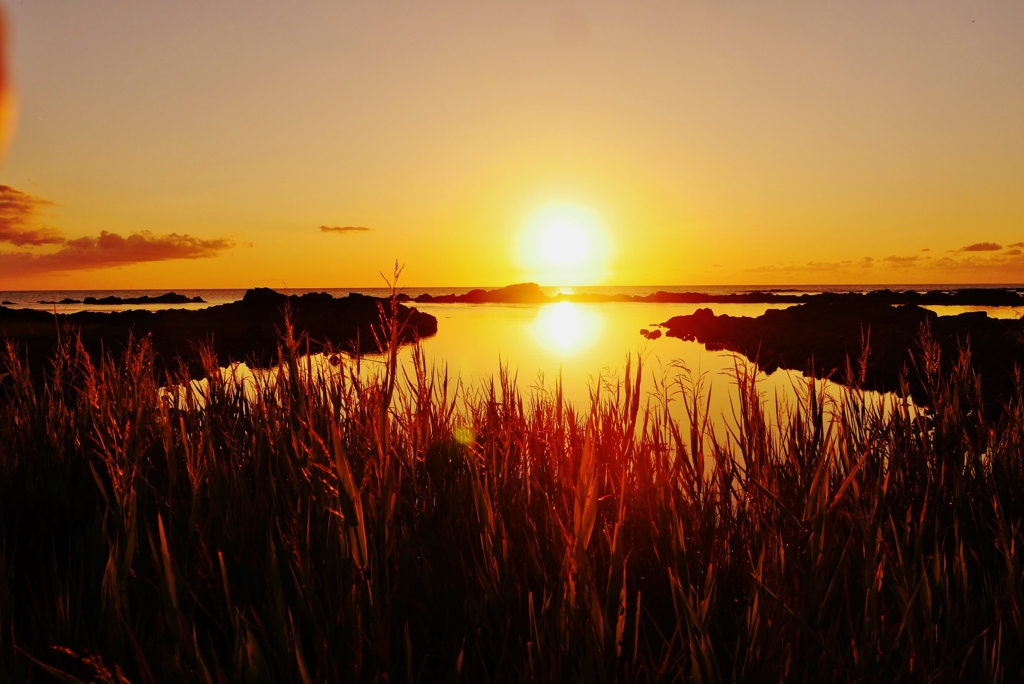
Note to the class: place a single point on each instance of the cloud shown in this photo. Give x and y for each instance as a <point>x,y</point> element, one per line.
<point>982,260</point>
<point>903,261</point>
<point>994,266</point>
<point>18,213</point>
<point>981,247</point>
<point>111,249</point>
<point>809,267</point>
<point>345,229</point>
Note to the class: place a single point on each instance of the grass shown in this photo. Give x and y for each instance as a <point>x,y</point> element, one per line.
<point>396,526</point>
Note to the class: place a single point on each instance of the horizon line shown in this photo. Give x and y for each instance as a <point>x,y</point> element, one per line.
<point>761,286</point>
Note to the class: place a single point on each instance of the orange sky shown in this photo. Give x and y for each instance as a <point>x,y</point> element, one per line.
<point>204,143</point>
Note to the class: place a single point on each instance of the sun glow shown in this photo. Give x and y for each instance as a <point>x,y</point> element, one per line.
<point>564,244</point>
<point>566,328</point>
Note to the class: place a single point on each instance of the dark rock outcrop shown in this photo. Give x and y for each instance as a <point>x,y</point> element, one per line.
<point>247,330</point>
<point>819,337</point>
<point>168,298</point>
<point>523,293</point>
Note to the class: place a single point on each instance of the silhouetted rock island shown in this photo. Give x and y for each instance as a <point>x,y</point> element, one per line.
<point>246,330</point>
<point>827,330</point>
<point>169,298</point>
<point>66,300</point>
<point>523,293</point>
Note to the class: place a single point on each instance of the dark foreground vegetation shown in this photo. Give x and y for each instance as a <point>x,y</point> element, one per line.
<point>323,527</point>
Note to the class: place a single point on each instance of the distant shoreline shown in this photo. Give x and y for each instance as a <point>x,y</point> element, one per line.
<point>605,289</point>
<point>70,301</point>
<point>531,293</point>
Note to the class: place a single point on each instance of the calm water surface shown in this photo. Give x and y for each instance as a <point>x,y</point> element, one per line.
<point>580,345</point>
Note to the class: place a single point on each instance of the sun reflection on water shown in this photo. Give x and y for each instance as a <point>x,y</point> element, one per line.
<point>566,328</point>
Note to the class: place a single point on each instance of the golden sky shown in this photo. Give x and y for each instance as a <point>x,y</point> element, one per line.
<point>204,143</point>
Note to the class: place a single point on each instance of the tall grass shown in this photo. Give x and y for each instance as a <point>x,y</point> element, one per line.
<point>399,527</point>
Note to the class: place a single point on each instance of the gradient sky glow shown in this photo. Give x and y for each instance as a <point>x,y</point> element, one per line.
<point>719,142</point>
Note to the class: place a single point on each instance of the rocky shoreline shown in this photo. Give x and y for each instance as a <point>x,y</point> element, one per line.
<point>246,330</point>
<point>531,293</point>
<point>820,336</point>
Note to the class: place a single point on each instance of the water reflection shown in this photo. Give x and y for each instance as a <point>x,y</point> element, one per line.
<point>567,328</point>
<point>578,346</point>
<point>1005,312</point>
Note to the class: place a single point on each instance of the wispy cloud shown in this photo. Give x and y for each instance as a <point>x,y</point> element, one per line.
<point>975,260</point>
<point>1000,265</point>
<point>111,249</point>
<point>345,229</point>
<point>981,247</point>
<point>19,212</point>
<point>811,266</point>
<point>904,261</point>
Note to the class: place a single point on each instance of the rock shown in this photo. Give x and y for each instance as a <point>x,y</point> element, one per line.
<point>247,330</point>
<point>522,293</point>
<point>168,298</point>
<point>821,335</point>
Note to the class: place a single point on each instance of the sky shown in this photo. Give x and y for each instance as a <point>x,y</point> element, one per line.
<point>222,143</point>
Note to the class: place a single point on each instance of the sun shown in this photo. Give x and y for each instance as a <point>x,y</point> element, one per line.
<point>564,244</point>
